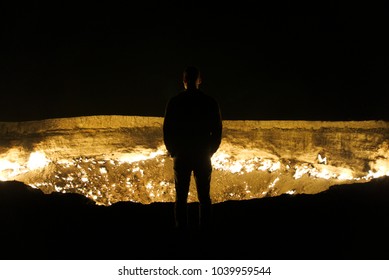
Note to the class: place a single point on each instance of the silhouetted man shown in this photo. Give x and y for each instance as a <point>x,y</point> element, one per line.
<point>192,133</point>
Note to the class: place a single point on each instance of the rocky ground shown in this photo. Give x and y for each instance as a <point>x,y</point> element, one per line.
<point>345,222</point>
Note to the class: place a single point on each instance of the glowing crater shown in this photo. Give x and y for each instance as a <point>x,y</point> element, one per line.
<point>122,158</point>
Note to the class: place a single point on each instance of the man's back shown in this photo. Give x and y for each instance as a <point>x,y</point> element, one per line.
<point>192,124</point>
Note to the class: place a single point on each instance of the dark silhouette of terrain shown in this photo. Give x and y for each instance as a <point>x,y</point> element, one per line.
<point>345,222</point>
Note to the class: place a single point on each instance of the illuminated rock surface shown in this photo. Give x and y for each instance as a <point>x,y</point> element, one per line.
<point>122,158</point>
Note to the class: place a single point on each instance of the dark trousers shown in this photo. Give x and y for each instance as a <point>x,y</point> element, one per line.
<point>202,170</point>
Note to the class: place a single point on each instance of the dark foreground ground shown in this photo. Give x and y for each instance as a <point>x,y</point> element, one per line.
<point>345,222</point>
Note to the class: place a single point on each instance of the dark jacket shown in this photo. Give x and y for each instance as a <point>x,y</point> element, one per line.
<point>192,124</point>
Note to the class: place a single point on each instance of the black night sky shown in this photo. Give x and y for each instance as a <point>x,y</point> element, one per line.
<point>326,60</point>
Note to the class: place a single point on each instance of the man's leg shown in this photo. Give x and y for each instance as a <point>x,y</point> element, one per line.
<point>202,174</point>
<point>182,173</point>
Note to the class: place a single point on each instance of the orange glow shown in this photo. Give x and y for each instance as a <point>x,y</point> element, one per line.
<point>122,166</point>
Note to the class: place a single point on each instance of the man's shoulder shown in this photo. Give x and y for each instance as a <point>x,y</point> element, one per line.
<point>198,94</point>
<point>205,96</point>
<point>209,99</point>
<point>176,98</point>
<point>178,95</point>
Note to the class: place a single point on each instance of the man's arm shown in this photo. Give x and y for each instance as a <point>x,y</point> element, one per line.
<point>168,129</point>
<point>216,129</point>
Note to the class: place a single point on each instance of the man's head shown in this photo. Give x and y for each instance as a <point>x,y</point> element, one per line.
<point>192,78</point>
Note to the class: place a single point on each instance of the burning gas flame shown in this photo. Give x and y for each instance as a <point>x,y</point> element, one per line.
<point>95,178</point>
<point>8,169</point>
<point>37,160</point>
